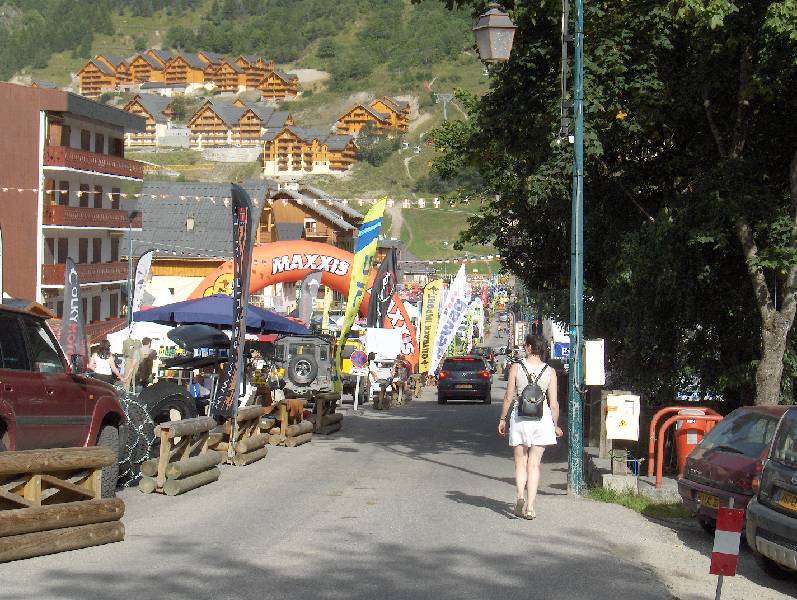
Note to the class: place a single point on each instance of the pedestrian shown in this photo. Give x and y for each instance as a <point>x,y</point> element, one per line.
<point>529,437</point>
<point>401,375</point>
<point>102,363</point>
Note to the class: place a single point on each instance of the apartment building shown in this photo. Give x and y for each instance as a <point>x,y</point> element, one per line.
<point>70,150</point>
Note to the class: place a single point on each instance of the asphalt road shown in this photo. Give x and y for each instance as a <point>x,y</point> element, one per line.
<point>412,503</point>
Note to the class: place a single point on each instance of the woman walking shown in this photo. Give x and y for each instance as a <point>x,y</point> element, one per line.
<point>529,437</point>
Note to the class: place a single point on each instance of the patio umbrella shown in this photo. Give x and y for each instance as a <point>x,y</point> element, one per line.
<point>218,310</point>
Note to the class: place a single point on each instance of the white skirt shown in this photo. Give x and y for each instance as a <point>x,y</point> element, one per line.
<point>528,432</point>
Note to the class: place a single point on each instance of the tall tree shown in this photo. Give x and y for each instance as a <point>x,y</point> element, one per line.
<point>690,213</point>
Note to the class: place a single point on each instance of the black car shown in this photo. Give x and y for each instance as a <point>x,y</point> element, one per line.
<point>772,513</point>
<point>464,377</point>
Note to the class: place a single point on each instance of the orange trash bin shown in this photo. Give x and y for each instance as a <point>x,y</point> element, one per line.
<point>689,433</point>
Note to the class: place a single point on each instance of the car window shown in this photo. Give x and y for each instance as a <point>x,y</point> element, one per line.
<point>323,353</point>
<point>466,364</point>
<point>784,450</point>
<point>12,348</point>
<point>44,355</point>
<point>295,349</point>
<point>746,431</point>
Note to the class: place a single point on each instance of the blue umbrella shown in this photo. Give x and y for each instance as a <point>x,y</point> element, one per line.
<point>218,310</point>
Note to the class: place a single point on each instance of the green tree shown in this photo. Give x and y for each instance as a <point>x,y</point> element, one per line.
<point>375,147</point>
<point>691,183</point>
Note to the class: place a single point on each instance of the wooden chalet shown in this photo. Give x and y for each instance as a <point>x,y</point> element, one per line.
<point>230,77</point>
<point>188,68</point>
<point>278,85</point>
<point>96,77</point>
<point>157,110</point>
<point>43,84</point>
<point>234,124</point>
<point>297,150</point>
<point>355,119</point>
<point>398,112</point>
<point>256,68</point>
<point>120,66</point>
<point>162,56</point>
<point>146,67</point>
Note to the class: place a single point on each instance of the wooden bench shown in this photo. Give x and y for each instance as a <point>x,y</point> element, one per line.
<point>50,501</point>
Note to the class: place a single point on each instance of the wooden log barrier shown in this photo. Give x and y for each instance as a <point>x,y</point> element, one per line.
<point>242,459</point>
<point>250,436</point>
<point>253,442</point>
<point>332,419</point>
<point>174,487</point>
<point>276,439</point>
<point>332,428</point>
<point>189,461</point>
<point>39,543</point>
<point>298,429</point>
<point>50,501</point>
<point>298,440</point>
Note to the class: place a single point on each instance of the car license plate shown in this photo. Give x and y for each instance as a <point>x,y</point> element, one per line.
<point>463,386</point>
<point>708,500</point>
<point>788,500</point>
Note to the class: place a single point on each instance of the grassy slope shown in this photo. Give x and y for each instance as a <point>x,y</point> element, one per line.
<point>430,233</point>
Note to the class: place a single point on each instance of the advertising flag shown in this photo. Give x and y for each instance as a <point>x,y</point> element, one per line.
<point>383,289</point>
<point>310,285</point>
<point>430,308</point>
<point>327,306</point>
<point>451,317</point>
<point>73,321</point>
<point>364,251</point>
<point>225,402</point>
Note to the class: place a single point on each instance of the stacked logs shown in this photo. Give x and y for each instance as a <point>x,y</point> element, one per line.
<point>291,435</point>
<point>324,417</point>
<point>50,501</point>
<point>251,441</point>
<point>329,423</point>
<point>185,461</point>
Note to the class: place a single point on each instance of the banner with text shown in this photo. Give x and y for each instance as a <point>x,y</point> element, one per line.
<point>451,317</point>
<point>73,321</point>
<point>382,291</point>
<point>430,308</point>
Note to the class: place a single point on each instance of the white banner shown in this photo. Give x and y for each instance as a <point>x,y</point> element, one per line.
<point>451,317</point>
<point>142,275</point>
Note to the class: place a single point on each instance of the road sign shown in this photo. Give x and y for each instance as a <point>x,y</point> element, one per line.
<point>725,554</point>
<point>359,358</point>
<point>561,350</point>
<point>358,371</point>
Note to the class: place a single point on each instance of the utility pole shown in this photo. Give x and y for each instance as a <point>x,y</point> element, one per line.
<point>444,99</point>
<point>575,424</point>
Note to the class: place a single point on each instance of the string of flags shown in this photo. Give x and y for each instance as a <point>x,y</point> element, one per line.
<point>405,203</point>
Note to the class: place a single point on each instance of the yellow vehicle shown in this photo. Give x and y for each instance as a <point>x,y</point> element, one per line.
<point>352,344</point>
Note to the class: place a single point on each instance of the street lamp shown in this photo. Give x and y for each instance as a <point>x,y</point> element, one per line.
<point>494,36</point>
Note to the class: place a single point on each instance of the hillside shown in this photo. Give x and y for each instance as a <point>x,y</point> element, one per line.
<point>344,52</point>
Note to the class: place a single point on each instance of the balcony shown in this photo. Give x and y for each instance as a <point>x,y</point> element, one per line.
<point>88,273</point>
<point>72,158</point>
<point>73,216</point>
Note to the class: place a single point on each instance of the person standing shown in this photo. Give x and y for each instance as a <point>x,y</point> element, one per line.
<point>102,363</point>
<point>530,437</point>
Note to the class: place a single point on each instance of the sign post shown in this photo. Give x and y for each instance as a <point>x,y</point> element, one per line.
<point>725,554</point>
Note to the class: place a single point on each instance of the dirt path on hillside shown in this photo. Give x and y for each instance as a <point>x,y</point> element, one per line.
<point>397,224</point>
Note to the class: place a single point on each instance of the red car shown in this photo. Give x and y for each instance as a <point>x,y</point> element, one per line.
<point>728,462</point>
<point>43,403</point>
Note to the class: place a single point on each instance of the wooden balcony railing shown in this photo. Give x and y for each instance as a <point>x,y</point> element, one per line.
<point>87,217</point>
<point>88,273</point>
<point>64,156</point>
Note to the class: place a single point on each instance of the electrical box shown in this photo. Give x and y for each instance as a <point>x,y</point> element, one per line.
<point>622,417</point>
<point>594,373</point>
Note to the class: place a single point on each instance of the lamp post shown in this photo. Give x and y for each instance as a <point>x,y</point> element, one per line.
<point>131,214</point>
<point>494,36</point>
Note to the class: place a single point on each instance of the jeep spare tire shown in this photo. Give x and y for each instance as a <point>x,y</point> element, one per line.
<point>303,369</point>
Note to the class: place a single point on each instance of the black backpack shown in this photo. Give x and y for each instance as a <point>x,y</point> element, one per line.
<point>531,400</point>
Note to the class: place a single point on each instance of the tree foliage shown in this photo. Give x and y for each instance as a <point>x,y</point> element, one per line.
<point>375,147</point>
<point>689,135</point>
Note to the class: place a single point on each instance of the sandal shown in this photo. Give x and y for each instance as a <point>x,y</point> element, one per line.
<point>519,505</point>
<point>530,515</point>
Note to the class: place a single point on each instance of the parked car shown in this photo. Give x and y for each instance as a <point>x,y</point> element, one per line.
<point>727,461</point>
<point>772,514</point>
<point>464,377</point>
<point>307,360</point>
<point>45,403</point>
<point>487,354</point>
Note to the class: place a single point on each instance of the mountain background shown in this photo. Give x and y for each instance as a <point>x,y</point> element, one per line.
<point>345,52</point>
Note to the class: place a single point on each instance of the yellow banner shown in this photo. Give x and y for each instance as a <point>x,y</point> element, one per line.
<point>431,304</point>
<point>327,306</point>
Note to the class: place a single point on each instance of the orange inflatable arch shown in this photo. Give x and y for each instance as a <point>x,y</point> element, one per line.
<point>291,261</point>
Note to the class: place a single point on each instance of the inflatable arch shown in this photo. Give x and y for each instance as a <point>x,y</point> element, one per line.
<point>291,261</point>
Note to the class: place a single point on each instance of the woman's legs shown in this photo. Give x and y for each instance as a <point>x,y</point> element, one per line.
<point>521,475</point>
<point>533,474</point>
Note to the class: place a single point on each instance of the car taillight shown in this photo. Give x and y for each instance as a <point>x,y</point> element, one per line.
<point>755,484</point>
<point>485,373</point>
<point>443,374</point>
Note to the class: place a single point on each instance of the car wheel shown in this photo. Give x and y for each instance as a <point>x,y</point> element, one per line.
<point>303,369</point>
<point>172,408</point>
<point>488,399</point>
<point>708,525</point>
<point>109,438</point>
<point>4,441</point>
<point>441,399</point>
<point>771,568</point>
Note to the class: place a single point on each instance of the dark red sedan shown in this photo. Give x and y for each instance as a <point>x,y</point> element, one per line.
<point>728,462</point>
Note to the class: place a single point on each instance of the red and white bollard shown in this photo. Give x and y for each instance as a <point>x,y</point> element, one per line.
<point>725,555</point>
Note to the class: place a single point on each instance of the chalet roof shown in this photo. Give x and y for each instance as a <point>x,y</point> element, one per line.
<point>234,66</point>
<point>334,141</point>
<point>397,104</point>
<point>154,105</point>
<point>156,85</point>
<point>289,231</point>
<point>338,141</point>
<point>370,110</point>
<point>193,60</point>
<point>164,219</point>
<point>213,57</point>
<point>151,60</point>
<point>107,70</point>
<point>228,113</point>
<point>323,211</point>
<point>286,77</point>
<point>45,84</point>
<point>251,58</point>
<point>342,207</point>
<point>164,55</point>
<point>114,59</point>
